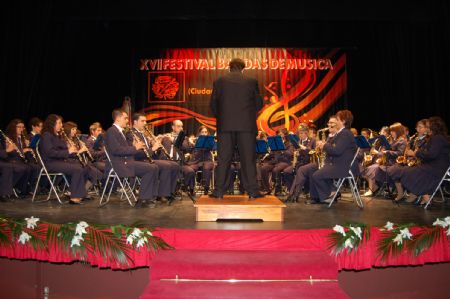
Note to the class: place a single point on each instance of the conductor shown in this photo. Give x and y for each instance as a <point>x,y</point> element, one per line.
<point>235,101</point>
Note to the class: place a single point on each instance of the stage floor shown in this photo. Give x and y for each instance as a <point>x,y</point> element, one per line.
<point>181,214</point>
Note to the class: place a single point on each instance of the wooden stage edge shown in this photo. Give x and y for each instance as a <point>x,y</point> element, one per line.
<point>239,207</point>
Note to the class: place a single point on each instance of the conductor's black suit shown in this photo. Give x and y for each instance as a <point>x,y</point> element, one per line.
<point>235,102</point>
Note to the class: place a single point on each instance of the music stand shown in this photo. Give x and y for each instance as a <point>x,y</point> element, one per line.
<point>261,147</point>
<point>384,142</point>
<point>177,143</point>
<point>362,142</point>
<point>276,143</point>
<point>97,142</point>
<point>34,141</point>
<point>294,140</point>
<point>205,142</point>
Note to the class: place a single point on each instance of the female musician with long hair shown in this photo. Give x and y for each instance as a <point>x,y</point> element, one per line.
<point>94,175</point>
<point>423,179</point>
<point>57,156</point>
<point>415,144</point>
<point>376,173</point>
<point>16,172</point>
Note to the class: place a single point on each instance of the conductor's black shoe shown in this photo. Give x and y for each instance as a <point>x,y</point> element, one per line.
<point>215,195</point>
<point>170,200</point>
<point>255,195</point>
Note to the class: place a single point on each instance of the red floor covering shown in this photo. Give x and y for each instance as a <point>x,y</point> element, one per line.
<point>243,265</point>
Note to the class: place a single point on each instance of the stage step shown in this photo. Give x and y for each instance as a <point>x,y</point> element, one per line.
<point>241,290</point>
<point>242,265</point>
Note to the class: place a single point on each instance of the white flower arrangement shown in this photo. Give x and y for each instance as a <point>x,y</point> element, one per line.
<point>80,230</point>
<point>445,223</point>
<point>31,222</point>
<point>24,237</point>
<point>339,229</point>
<point>138,236</point>
<point>389,226</point>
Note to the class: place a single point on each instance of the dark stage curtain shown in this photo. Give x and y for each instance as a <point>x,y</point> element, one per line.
<point>78,62</point>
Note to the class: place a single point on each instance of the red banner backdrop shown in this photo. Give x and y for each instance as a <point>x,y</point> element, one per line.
<point>298,85</point>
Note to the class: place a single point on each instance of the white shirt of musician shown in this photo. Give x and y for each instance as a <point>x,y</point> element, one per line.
<point>120,130</point>
<point>171,153</point>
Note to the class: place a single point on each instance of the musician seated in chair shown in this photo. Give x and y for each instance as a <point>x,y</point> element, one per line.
<point>122,158</point>
<point>301,155</point>
<point>168,170</point>
<point>339,151</point>
<point>176,154</point>
<point>57,156</point>
<point>376,174</point>
<point>201,158</point>
<point>434,160</point>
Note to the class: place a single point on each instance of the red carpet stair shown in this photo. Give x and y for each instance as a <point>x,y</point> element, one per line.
<point>242,265</point>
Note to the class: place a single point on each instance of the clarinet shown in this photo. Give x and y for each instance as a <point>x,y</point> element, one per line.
<point>163,149</point>
<point>16,148</point>
<point>71,143</point>
<point>87,154</point>
<point>147,154</point>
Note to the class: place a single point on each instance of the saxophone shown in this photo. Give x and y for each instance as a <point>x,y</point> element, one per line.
<point>317,156</point>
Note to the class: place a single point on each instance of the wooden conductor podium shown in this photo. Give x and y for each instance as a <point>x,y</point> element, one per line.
<point>268,208</point>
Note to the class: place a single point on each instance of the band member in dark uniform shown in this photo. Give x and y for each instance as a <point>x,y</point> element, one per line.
<point>23,157</point>
<point>168,170</point>
<point>176,154</point>
<point>97,149</point>
<point>301,156</point>
<point>122,158</point>
<point>376,173</point>
<point>415,143</point>
<point>7,173</point>
<point>56,155</point>
<point>235,101</point>
<point>434,158</point>
<point>94,175</point>
<point>202,158</point>
<point>265,165</point>
<point>283,159</point>
<point>35,125</point>
<point>340,150</point>
<point>14,172</point>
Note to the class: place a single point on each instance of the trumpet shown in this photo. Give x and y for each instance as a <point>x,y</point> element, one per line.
<point>16,148</point>
<point>153,138</point>
<point>70,143</point>
<point>145,149</point>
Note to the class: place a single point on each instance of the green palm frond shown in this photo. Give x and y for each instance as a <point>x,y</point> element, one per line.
<point>386,247</point>
<point>5,240</point>
<point>425,239</point>
<point>108,245</point>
